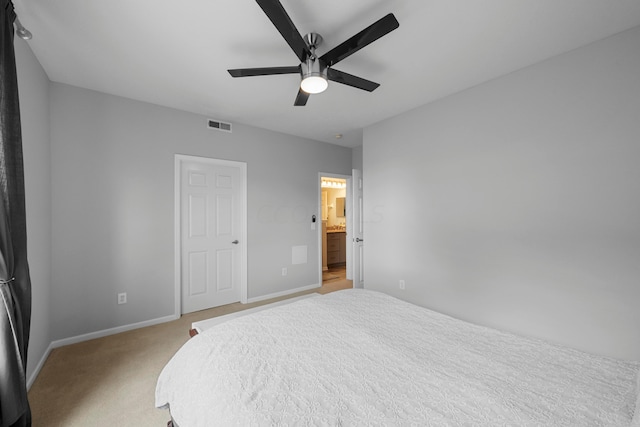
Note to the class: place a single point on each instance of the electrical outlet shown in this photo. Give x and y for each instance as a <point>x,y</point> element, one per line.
<point>401,284</point>
<point>122,298</point>
<point>284,271</point>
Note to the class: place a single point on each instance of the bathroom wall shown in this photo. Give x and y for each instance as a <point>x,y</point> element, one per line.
<point>332,194</point>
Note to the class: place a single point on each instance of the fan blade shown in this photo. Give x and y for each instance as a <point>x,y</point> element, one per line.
<point>266,71</point>
<point>301,99</point>
<point>279,17</point>
<point>351,80</point>
<point>365,37</point>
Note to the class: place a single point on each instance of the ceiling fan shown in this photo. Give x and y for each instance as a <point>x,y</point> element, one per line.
<point>316,71</point>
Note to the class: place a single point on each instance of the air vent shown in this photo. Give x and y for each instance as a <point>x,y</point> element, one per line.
<point>218,125</point>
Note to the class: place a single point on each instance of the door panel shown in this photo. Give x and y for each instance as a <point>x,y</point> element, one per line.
<point>197,215</point>
<point>197,273</point>
<point>224,261</point>
<point>358,231</point>
<point>224,215</point>
<point>210,231</point>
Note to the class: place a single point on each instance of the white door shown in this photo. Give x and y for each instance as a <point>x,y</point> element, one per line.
<point>211,212</point>
<point>357,236</point>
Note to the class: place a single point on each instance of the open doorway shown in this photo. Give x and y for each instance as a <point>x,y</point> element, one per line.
<point>334,233</point>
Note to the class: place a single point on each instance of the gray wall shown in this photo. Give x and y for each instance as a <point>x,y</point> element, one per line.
<point>113,204</point>
<point>356,154</point>
<point>33,86</point>
<point>516,203</point>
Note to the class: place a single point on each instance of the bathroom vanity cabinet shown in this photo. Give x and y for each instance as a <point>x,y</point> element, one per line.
<point>336,247</point>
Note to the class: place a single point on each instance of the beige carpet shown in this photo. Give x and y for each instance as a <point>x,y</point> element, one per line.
<point>111,381</point>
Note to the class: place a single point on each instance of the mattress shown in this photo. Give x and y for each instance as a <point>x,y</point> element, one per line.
<point>359,357</point>
<point>202,325</point>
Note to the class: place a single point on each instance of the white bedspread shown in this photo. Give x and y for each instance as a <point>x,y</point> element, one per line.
<point>359,357</point>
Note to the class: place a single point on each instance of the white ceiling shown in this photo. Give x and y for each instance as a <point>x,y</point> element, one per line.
<point>176,53</point>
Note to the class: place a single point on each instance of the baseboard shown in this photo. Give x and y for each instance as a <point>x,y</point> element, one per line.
<point>91,336</point>
<point>125,328</point>
<point>283,293</point>
<point>39,366</point>
<point>112,331</point>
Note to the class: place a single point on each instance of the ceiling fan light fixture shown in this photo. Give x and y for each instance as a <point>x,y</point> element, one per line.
<point>314,84</point>
<point>314,76</point>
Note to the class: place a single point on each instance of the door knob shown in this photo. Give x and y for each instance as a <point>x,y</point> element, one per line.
<point>235,242</point>
<point>358,240</point>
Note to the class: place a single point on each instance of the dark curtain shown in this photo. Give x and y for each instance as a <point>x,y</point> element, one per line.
<point>15,284</point>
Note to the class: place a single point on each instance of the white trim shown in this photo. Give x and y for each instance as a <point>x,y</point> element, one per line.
<point>93,335</point>
<point>349,214</point>
<point>319,228</point>
<point>177,296</point>
<point>283,293</point>
<point>349,220</point>
<point>111,331</point>
<point>179,158</point>
<point>39,366</point>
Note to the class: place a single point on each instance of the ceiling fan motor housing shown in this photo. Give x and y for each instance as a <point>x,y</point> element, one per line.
<point>314,76</point>
<point>313,70</point>
<point>313,67</point>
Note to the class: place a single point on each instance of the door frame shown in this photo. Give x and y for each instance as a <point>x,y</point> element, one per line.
<point>348,218</point>
<point>177,225</point>
<point>358,232</point>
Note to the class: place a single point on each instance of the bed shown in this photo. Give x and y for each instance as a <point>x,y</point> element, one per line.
<point>359,357</point>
